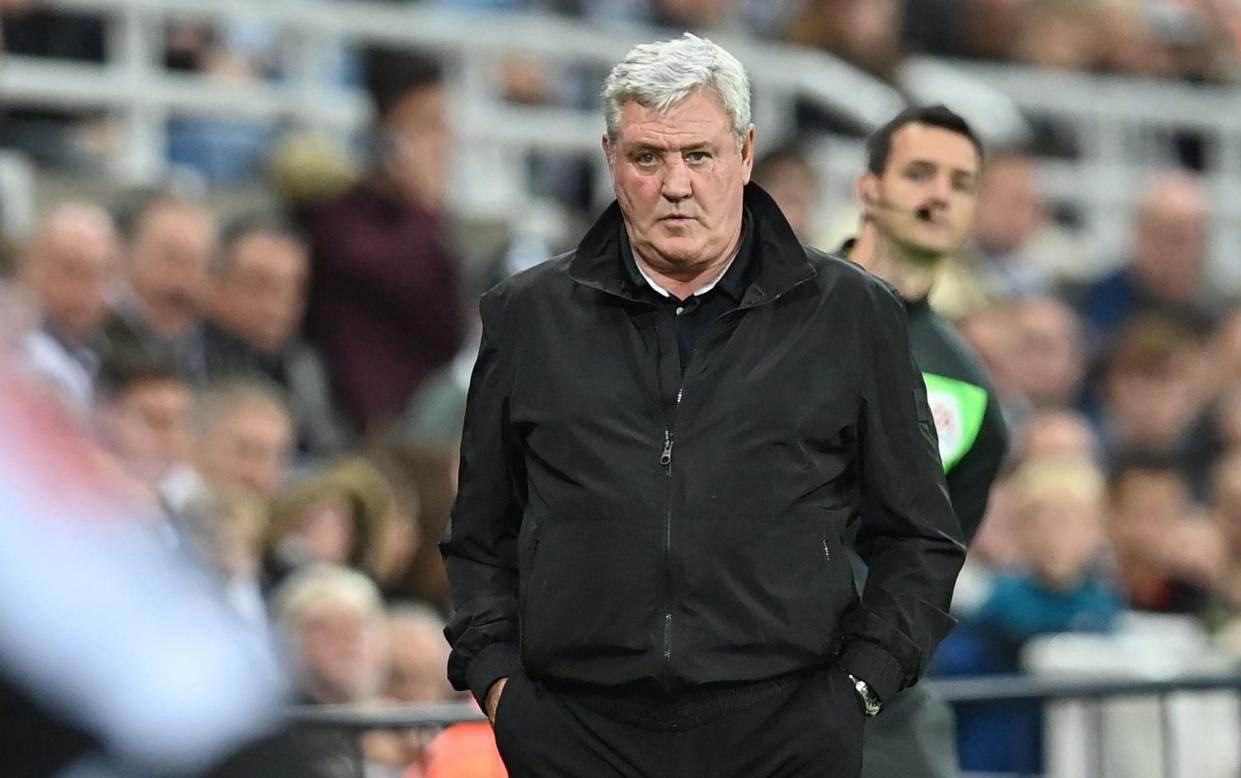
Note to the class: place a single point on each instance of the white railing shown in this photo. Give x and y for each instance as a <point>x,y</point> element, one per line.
<point>495,135</point>
<point>1122,127</point>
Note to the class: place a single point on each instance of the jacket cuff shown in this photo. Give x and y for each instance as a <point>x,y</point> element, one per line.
<point>879,669</point>
<point>496,661</point>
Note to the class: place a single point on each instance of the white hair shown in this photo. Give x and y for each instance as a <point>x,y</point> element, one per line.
<point>317,587</point>
<point>660,75</point>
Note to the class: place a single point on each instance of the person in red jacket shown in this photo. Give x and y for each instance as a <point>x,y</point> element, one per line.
<point>385,305</point>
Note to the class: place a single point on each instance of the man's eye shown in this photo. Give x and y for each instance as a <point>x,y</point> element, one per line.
<point>645,158</point>
<point>698,156</point>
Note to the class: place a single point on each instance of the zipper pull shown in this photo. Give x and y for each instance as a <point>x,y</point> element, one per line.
<point>665,458</point>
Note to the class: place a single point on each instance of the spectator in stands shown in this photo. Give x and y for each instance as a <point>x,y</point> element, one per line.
<point>173,246</point>
<point>70,266</point>
<point>225,527</point>
<point>1164,272</point>
<point>992,332</point>
<point>866,33</point>
<point>695,15</point>
<point>1051,358</point>
<point>791,180</point>
<point>143,409</point>
<point>1060,34</point>
<point>1060,587</point>
<point>244,436</point>
<point>417,655</point>
<point>332,618</point>
<point>256,306</point>
<point>1059,433</point>
<point>1013,253</point>
<point>1170,555</point>
<point>349,515</point>
<point>1154,387</point>
<point>383,274</point>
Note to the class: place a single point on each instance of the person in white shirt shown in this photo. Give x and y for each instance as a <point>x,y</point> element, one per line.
<point>70,269</point>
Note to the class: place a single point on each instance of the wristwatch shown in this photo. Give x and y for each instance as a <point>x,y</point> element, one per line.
<point>870,701</point>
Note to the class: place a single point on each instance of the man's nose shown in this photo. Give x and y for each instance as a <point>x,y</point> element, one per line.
<point>676,184</point>
<point>941,190</point>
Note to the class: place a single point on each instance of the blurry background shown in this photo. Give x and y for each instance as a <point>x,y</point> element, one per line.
<point>241,245</point>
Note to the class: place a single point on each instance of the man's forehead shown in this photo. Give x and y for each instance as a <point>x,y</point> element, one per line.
<point>937,145</point>
<point>698,115</point>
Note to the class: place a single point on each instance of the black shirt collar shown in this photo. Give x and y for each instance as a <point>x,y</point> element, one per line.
<point>735,278</point>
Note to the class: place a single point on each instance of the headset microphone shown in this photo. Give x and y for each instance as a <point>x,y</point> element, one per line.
<point>923,213</point>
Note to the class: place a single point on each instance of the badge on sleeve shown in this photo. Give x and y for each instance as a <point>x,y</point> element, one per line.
<point>957,408</point>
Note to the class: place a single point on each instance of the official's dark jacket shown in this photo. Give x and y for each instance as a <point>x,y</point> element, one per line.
<point>620,527</point>
<point>973,438</point>
<point>972,435</point>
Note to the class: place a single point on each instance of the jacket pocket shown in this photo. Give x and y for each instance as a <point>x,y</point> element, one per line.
<point>528,569</point>
<point>836,554</point>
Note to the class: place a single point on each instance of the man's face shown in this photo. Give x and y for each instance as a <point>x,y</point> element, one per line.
<point>795,188</point>
<point>417,657</point>
<point>72,271</point>
<point>419,146</point>
<point>149,425</point>
<point>262,293</point>
<point>342,652</point>
<point>925,198</point>
<point>1052,360</point>
<point>1145,503</point>
<point>679,178</point>
<point>1010,206</point>
<point>171,255</point>
<point>1170,242</point>
<point>1061,535</point>
<point>249,447</point>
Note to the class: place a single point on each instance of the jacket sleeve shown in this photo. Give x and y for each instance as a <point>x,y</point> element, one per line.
<point>480,544</point>
<point>909,537</point>
<point>969,483</point>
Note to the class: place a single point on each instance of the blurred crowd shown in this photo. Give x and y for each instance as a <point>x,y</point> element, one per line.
<point>285,390</point>
<point>1193,41</point>
<point>280,393</point>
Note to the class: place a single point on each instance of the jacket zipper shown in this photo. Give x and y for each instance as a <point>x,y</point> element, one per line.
<point>665,460</point>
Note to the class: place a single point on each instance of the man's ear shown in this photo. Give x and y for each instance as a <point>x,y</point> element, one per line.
<point>747,154</point>
<point>868,194</point>
<point>607,147</point>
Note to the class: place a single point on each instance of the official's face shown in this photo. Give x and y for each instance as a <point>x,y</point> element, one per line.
<point>933,170</point>
<point>679,177</point>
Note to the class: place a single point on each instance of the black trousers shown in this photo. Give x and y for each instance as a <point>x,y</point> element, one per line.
<point>916,735</point>
<point>809,729</point>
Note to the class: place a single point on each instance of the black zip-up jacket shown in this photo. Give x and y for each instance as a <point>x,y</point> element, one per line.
<point>619,528</point>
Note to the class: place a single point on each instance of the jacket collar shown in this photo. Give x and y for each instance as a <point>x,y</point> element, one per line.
<point>779,261</point>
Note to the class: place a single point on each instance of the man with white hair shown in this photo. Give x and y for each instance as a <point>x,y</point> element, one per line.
<point>70,266</point>
<point>669,430</point>
<point>333,619</point>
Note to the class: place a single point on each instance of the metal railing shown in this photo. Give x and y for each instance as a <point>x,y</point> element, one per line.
<point>1123,128</point>
<point>495,135</point>
<point>1097,692</point>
